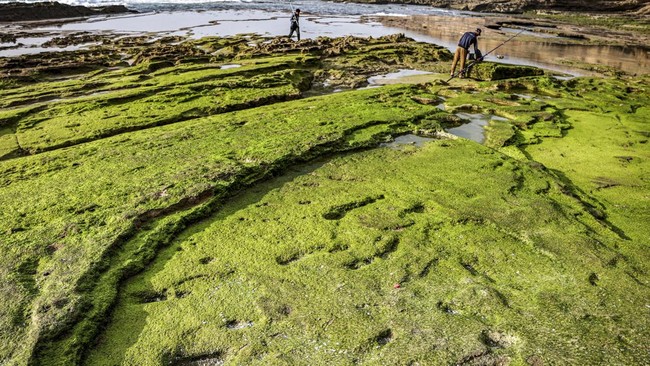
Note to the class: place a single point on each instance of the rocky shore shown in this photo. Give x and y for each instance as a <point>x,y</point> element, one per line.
<point>18,12</point>
<point>237,200</point>
<point>171,200</point>
<point>520,6</point>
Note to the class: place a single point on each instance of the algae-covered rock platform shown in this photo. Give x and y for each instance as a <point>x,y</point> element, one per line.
<point>234,201</point>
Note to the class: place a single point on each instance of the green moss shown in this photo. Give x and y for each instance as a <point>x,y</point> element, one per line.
<point>275,277</point>
<point>499,133</point>
<point>129,179</point>
<point>161,99</point>
<point>600,69</point>
<point>500,256</point>
<point>494,71</point>
<point>632,23</point>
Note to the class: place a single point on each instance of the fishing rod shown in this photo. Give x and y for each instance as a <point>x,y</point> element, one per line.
<point>479,59</point>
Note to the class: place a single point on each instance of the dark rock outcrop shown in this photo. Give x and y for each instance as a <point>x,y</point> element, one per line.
<point>520,6</point>
<point>16,12</point>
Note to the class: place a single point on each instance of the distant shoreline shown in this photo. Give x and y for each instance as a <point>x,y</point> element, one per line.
<point>22,12</point>
<point>558,44</point>
<point>629,7</point>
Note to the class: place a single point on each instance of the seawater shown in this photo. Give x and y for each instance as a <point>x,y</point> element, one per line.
<point>199,18</point>
<point>316,7</point>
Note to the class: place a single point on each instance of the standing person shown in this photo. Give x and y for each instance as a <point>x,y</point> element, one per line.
<point>295,25</point>
<point>468,39</point>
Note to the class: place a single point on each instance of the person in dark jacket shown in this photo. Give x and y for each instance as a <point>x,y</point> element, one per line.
<point>466,41</point>
<point>295,25</point>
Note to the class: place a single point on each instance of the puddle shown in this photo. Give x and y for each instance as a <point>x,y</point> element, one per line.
<point>230,66</point>
<point>530,97</point>
<point>441,106</point>
<point>474,130</point>
<point>401,76</point>
<point>13,52</point>
<point>34,41</point>
<point>560,77</point>
<point>410,139</point>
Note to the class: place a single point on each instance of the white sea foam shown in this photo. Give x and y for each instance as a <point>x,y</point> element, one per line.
<point>383,14</point>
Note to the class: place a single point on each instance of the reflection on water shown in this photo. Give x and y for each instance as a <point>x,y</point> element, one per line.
<point>410,139</point>
<point>441,106</point>
<point>339,20</point>
<point>474,130</point>
<point>400,76</point>
<point>9,52</point>
<point>629,59</point>
<point>549,53</point>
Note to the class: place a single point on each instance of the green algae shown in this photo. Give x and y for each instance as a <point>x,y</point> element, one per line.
<point>592,133</point>
<point>156,100</point>
<point>494,71</point>
<point>636,24</point>
<point>153,93</point>
<point>314,256</point>
<point>600,69</point>
<point>232,148</point>
<point>302,270</point>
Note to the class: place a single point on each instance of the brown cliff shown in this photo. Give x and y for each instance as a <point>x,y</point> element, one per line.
<point>520,6</point>
<point>15,11</point>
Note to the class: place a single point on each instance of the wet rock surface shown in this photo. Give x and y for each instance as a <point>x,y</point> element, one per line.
<point>549,39</point>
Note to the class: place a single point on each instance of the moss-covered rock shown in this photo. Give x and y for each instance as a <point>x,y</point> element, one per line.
<point>121,223</point>
<point>494,71</point>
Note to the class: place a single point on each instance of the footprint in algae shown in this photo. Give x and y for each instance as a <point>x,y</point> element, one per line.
<point>338,212</point>
<point>205,360</point>
<point>439,221</point>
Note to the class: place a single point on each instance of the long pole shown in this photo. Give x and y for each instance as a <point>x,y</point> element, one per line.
<point>483,56</point>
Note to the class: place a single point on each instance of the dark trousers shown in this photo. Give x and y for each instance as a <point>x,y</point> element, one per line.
<point>295,28</point>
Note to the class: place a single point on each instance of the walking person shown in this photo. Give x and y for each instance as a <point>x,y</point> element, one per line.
<point>468,39</point>
<point>295,24</point>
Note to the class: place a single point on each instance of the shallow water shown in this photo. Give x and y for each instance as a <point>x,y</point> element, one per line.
<point>474,130</point>
<point>308,7</point>
<point>547,53</point>
<point>410,139</point>
<point>195,24</point>
<point>198,18</point>
<point>396,77</point>
<point>230,66</point>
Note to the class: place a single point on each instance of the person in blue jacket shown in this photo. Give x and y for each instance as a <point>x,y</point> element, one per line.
<point>295,25</point>
<point>466,41</point>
